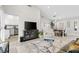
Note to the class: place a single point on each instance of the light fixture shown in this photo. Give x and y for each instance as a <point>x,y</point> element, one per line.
<point>54,14</point>
<point>48,7</point>
<point>10,16</point>
<point>29,5</point>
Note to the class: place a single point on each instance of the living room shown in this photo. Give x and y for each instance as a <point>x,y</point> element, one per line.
<point>41,28</point>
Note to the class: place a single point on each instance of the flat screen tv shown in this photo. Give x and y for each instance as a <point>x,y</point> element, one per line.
<point>30,25</point>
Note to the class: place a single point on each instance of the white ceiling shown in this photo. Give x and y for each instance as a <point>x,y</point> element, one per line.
<point>59,10</point>
<point>51,10</point>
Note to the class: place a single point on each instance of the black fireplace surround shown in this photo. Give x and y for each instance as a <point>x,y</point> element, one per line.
<point>30,31</point>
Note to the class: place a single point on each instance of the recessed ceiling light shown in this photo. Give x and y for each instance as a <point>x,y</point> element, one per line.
<point>48,7</point>
<point>10,16</point>
<point>54,13</point>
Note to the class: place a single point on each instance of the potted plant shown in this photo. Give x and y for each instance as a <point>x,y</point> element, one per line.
<point>40,34</point>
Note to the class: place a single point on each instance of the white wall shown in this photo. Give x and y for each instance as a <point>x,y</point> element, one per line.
<point>69,28</point>
<point>25,13</point>
<point>46,27</point>
<point>62,24</point>
<point>2,25</point>
<point>44,21</point>
<point>33,15</point>
<point>11,20</point>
